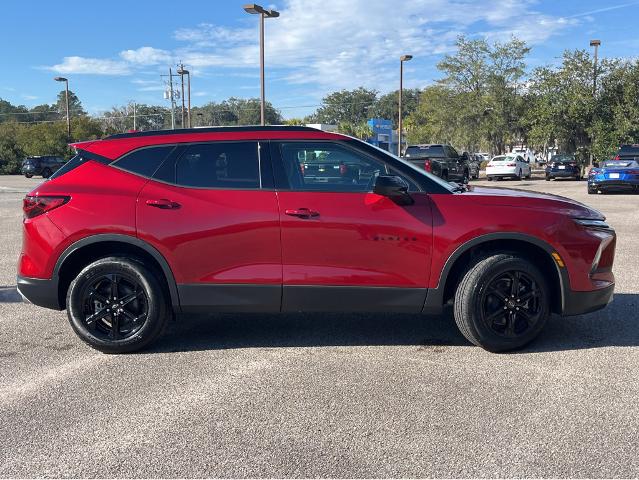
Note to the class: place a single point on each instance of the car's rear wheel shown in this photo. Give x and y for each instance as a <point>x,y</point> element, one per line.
<point>548,178</point>
<point>46,173</point>
<point>117,305</point>
<point>502,303</point>
<point>28,175</point>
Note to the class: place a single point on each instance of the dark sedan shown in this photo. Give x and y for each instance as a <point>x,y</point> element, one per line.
<point>564,166</point>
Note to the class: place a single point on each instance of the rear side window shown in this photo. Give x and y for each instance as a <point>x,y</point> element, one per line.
<point>144,161</point>
<point>228,165</point>
<point>79,159</point>
<point>629,150</point>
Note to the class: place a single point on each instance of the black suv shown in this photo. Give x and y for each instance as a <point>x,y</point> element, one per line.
<point>628,152</point>
<point>41,165</point>
<point>440,160</point>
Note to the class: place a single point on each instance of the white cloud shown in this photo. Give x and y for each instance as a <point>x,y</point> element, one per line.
<point>92,66</point>
<point>146,56</point>
<point>337,44</point>
<point>29,97</point>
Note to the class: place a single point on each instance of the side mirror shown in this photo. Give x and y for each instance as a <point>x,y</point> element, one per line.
<point>394,188</point>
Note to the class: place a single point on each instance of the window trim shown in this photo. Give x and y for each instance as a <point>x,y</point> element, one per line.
<point>181,149</point>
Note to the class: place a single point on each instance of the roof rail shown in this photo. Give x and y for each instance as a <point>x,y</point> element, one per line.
<point>249,128</point>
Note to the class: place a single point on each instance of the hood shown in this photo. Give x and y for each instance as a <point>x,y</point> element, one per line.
<point>533,200</point>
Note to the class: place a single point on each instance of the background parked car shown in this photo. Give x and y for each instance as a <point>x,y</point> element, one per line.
<point>440,160</point>
<point>614,175</point>
<point>628,152</point>
<point>564,166</point>
<point>508,166</point>
<point>525,153</point>
<point>44,165</point>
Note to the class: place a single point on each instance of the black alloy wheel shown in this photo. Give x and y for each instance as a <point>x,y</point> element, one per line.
<point>118,304</point>
<point>511,304</point>
<point>115,306</point>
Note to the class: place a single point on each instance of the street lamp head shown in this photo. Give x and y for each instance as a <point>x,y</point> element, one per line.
<point>595,43</point>
<point>60,79</point>
<point>405,58</point>
<point>254,8</point>
<point>183,71</point>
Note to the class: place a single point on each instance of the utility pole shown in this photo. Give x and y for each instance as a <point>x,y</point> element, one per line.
<point>134,122</point>
<point>172,99</point>
<point>182,81</point>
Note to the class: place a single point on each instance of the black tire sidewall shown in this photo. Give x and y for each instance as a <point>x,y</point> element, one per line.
<point>483,273</point>
<point>157,304</point>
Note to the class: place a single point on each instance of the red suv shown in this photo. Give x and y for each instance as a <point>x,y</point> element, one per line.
<point>141,226</point>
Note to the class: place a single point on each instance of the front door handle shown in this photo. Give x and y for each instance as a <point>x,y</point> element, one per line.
<point>301,213</point>
<point>163,203</point>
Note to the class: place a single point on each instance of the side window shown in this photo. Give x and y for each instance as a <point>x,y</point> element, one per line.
<point>219,165</point>
<point>452,152</point>
<point>144,161</point>
<point>330,167</point>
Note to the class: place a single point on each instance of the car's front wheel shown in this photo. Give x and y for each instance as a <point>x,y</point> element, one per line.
<point>502,303</point>
<point>28,175</point>
<point>117,305</point>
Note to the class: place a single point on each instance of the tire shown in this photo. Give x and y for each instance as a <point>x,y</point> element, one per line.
<point>529,176</point>
<point>90,294</point>
<point>490,179</point>
<point>547,178</point>
<point>28,175</point>
<point>592,191</point>
<point>466,178</point>
<point>479,297</point>
<point>46,173</point>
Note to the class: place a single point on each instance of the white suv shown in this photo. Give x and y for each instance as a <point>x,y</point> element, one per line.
<point>511,165</point>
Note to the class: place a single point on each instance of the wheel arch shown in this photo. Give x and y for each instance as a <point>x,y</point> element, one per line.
<point>532,248</point>
<point>84,251</point>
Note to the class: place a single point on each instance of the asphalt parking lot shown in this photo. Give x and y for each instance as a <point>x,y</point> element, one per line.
<point>323,395</point>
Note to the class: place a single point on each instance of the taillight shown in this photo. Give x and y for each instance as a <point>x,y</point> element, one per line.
<point>617,157</point>
<point>511,164</point>
<point>632,172</point>
<point>32,206</point>
<point>302,168</point>
<point>428,166</point>
<point>342,169</point>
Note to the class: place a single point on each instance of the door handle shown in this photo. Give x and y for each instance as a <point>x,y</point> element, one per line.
<point>163,203</point>
<point>301,213</point>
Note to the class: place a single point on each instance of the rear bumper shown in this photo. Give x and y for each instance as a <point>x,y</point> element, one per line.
<point>562,174</point>
<point>578,303</point>
<point>41,292</point>
<point>614,184</point>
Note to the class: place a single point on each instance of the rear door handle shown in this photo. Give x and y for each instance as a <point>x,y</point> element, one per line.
<point>163,203</point>
<point>301,213</point>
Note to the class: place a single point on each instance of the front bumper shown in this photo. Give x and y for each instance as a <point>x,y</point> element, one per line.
<point>578,303</point>
<point>41,292</point>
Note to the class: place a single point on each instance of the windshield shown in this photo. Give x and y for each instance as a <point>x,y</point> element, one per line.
<point>499,159</point>
<point>451,188</point>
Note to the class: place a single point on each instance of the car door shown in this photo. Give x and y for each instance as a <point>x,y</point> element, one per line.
<point>456,167</point>
<point>211,211</point>
<point>343,247</point>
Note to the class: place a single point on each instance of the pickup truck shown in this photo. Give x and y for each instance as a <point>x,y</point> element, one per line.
<point>440,160</point>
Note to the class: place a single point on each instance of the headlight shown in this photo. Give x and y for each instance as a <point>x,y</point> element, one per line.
<point>590,223</point>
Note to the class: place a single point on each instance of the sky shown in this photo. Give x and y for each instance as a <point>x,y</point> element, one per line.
<point>116,52</point>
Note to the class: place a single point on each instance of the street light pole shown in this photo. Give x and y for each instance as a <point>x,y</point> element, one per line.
<point>66,96</point>
<point>182,82</point>
<point>594,43</point>
<point>182,71</point>
<point>254,9</point>
<point>402,59</point>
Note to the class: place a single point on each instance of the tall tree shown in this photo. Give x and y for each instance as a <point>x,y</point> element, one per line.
<point>75,106</point>
<point>352,106</point>
<point>387,106</point>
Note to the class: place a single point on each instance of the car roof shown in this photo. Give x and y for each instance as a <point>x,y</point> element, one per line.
<point>114,146</point>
